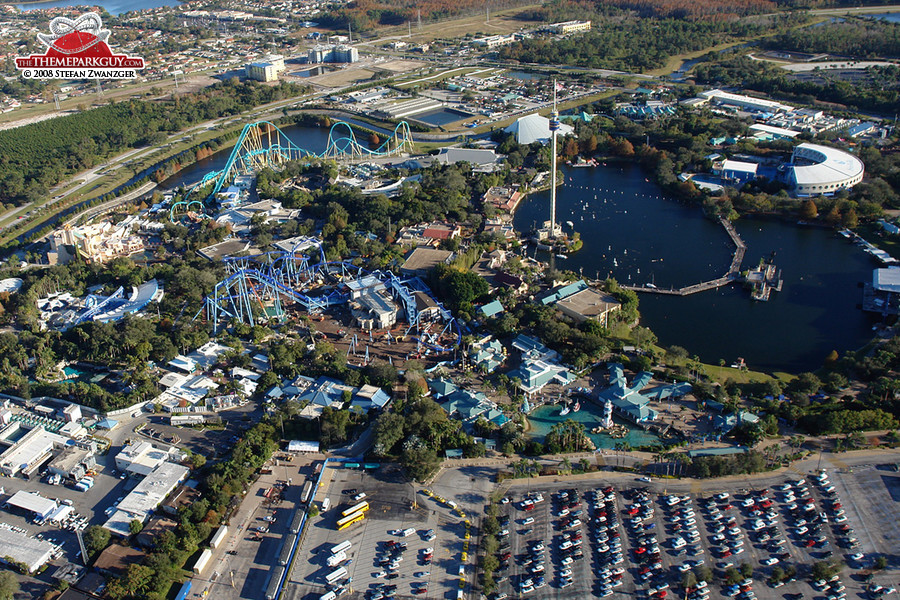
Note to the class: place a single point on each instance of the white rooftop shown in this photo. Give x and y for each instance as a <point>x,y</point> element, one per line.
<point>11,285</point>
<point>535,128</point>
<point>147,495</point>
<point>830,165</point>
<point>24,549</point>
<point>738,165</point>
<point>32,502</point>
<point>887,280</point>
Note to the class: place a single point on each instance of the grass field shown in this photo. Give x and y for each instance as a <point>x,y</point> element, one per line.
<point>502,22</point>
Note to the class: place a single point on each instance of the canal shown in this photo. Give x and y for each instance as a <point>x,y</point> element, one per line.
<point>632,231</point>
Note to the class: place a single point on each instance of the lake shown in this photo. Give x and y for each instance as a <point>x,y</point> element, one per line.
<point>113,7</point>
<point>632,231</point>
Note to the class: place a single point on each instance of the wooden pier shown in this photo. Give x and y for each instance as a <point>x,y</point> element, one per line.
<point>733,274</point>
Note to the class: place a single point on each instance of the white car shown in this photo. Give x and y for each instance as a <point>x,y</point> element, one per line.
<point>723,496</point>
<point>379,574</point>
<point>770,561</point>
<point>857,557</point>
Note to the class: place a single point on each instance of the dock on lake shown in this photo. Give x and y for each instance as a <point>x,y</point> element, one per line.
<point>733,274</point>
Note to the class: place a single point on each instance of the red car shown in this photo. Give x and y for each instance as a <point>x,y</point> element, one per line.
<point>726,553</point>
<point>640,550</point>
<point>810,543</point>
<point>644,570</point>
<point>505,556</point>
<point>727,507</point>
<point>420,590</point>
<point>631,511</point>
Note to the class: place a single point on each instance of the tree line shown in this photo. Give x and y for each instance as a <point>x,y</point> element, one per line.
<point>38,156</point>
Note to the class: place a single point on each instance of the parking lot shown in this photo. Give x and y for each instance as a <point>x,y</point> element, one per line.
<point>646,539</point>
<point>377,564</point>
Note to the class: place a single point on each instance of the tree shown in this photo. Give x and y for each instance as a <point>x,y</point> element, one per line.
<point>746,570</point>
<point>135,527</point>
<point>420,463</point>
<point>689,580</point>
<point>808,210</point>
<point>704,573</point>
<point>96,538</point>
<point>9,585</point>
<point>881,563</point>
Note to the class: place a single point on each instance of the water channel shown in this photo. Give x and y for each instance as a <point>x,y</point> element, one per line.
<point>633,232</point>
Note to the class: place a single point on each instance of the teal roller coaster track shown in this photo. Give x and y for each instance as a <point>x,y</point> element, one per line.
<point>263,144</point>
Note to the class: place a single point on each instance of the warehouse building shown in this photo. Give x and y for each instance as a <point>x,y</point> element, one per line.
<point>140,459</point>
<point>24,550</point>
<point>146,497</point>
<point>32,503</point>
<point>30,452</point>
<point>73,463</point>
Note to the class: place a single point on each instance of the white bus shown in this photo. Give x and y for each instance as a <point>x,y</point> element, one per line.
<point>342,547</point>
<point>336,575</point>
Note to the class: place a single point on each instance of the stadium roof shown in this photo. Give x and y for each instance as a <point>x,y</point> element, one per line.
<point>535,128</point>
<point>830,165</point>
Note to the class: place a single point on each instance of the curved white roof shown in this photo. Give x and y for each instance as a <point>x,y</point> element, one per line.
<point>830,165</point>
<point>535,128</point>
<point>11,285</point>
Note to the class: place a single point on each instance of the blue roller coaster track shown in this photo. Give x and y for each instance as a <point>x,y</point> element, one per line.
<point>257,287</point>
<point>263,144</point>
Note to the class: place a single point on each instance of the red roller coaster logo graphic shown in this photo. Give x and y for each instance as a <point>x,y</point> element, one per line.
<point>78,49</point>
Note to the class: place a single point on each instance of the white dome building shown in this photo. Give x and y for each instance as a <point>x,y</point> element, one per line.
<point>822,171</point>
<point>535,128</point>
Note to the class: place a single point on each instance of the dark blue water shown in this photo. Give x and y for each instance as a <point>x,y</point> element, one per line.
<point>524,76</point>
<point>441,116</point>
<point>113,7</point>
<point>893,17</point>
<point>314,139</point>
<point>632,222</point>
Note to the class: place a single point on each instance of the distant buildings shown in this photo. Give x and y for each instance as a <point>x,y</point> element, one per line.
<point>493,41</point>
<point>568,27</point>
<point>332,54</point>
<point>267,69</point>
<point>745,103</point>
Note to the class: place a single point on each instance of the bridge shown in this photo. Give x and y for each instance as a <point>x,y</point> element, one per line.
<point>732,275</point>
<point>263,144</point>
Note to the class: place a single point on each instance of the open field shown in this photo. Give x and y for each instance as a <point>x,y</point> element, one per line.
<point>502,22</point>
<point>34,112</point>
<point>342,78</point>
